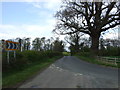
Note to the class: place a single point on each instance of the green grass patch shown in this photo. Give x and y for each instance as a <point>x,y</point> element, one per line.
<point>66,53</point>
<point>113,56</point>
<point>14,77</point>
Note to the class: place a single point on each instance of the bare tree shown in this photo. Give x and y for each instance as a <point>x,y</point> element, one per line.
<point>91,18</point>
<point>37,44</point>
<point>58,45</point>
<point>25,43</point>
<point>74,41</point>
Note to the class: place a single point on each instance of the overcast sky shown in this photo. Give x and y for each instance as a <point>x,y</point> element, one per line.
<point>30,19</point>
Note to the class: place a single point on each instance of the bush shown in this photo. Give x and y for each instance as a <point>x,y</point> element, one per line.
<point>85,49</point>
<point>86,54</point>
<point>26,58</point>
<point>66,53</point>
<point>111,51</point>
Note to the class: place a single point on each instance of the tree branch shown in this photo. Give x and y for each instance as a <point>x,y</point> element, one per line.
<point>111,26</point>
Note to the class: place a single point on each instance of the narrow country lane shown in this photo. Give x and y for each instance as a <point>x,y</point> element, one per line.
<point>71,72</point>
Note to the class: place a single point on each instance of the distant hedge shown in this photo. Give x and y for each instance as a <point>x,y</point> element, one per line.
<point>26,58</point>
<point>112,51</point>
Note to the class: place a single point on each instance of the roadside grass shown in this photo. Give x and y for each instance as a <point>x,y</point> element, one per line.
<point>78,86</point>
<point>113,56</point>
<point>13,77</point>
<point>95,61</point>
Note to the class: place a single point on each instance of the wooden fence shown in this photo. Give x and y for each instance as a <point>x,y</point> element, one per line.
<point>109,60</point>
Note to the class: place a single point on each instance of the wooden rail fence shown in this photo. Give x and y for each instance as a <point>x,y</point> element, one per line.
<point>109,60</point>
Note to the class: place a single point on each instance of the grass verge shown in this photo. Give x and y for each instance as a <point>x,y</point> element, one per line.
<point>95,61</point>
<point>12,78</point>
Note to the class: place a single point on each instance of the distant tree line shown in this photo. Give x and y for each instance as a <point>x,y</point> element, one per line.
<point>78,44</point>
<point>43,44</point>
<point>40,44</point>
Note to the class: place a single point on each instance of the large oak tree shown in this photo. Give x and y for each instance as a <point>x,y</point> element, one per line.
<point>91,18</point>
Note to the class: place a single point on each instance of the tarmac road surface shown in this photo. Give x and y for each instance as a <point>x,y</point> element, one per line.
<point>71,72</point>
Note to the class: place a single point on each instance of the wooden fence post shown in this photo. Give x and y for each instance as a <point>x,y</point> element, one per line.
<point>115,61</point>
<point>8,57</point>
<point>15,55</point>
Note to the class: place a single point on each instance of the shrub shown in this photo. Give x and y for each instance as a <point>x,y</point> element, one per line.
<point>111,51</point>
<point>26,58</point>
<point>86,54</point>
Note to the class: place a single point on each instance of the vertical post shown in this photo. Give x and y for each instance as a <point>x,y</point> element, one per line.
<point>1,43</point>
<point>116,61</point>
<point>20,44</point>
<point>21,48</point>
<point>8,57</point>
<point>14,54</point>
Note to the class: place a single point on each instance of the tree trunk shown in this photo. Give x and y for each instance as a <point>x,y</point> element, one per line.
<point>95,43</point>
<point>76,48</point>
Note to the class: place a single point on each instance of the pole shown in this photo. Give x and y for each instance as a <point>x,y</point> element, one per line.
<point>8,57</point>
<point>115,61</point>
<point>21,48</point>
<point>14,54</point>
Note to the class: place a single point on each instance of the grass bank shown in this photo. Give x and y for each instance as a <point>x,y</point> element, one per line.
<point>26,64</point>
<point>87,57</point>
<point>13,77</point>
